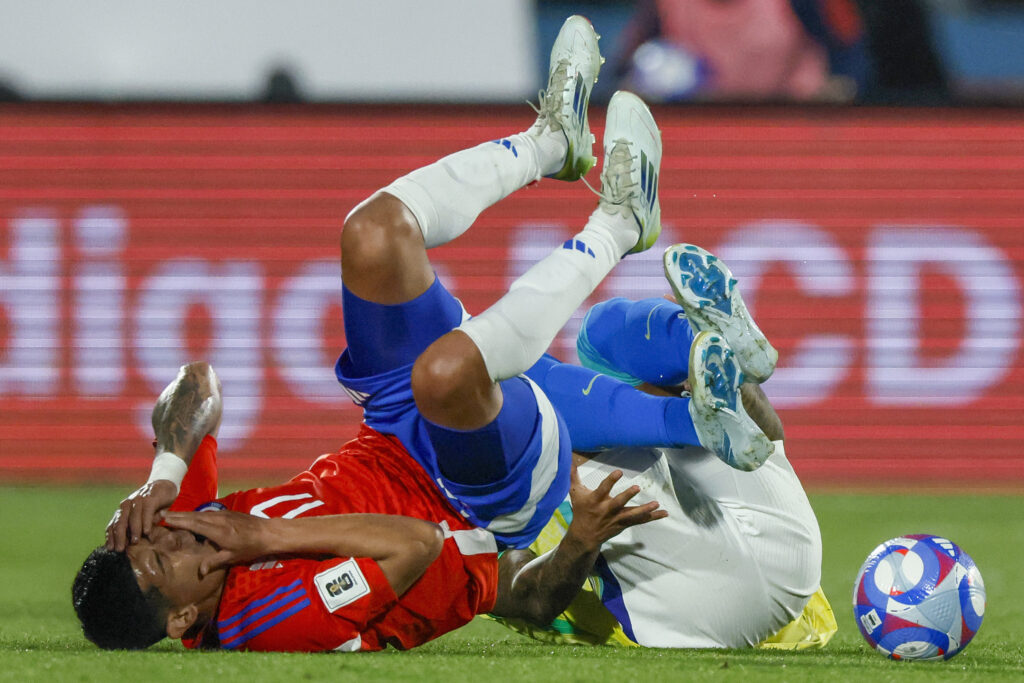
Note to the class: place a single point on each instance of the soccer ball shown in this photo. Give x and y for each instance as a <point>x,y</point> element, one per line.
<point>918,597</point>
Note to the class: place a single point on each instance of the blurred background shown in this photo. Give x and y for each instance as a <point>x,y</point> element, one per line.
<point>173,177</point>
<point>861,51</point>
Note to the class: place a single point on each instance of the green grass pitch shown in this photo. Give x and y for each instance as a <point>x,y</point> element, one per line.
<point>46,532</point>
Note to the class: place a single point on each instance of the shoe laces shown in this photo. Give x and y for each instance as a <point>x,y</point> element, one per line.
<point>618,187</point>
<point>550,99</point>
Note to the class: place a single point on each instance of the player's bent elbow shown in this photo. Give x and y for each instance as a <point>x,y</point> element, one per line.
<point>421,549</point>
<point>431,544</point>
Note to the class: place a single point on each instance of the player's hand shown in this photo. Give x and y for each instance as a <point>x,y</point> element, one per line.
<point>598,516</point>
<point>238,537</point>
<point>136,515</point>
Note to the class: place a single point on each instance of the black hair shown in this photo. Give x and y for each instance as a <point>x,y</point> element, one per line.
<point>115,613</point>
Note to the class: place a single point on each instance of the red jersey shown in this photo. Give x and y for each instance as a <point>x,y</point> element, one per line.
<point>339,603</point>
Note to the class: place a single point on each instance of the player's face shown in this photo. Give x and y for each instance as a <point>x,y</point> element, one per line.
<point>169,560</point>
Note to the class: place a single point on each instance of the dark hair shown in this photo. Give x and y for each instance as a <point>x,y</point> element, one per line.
<point>115,613</point>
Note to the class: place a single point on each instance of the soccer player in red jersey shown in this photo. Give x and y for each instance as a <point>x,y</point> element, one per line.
<point>290,568</point>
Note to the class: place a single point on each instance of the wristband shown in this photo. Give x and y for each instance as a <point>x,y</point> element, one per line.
<point>167,465</point>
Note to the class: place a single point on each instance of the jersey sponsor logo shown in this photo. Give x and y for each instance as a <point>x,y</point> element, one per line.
<point>341,585</point>
<point>212,505</point>
<point>358,397</point>
<point>271,564</point>
<point>507,144</point>
<point>647,334</point>
<point>578,245</point>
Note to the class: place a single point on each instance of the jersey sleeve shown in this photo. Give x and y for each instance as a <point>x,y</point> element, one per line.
<point>303,605</point>
<point>200,483</point>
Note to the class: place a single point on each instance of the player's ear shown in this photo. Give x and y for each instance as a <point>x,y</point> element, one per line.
<point>180,620</point>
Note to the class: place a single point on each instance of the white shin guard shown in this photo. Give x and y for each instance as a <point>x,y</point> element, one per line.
<point>516,331</point>
<point>448,195</point>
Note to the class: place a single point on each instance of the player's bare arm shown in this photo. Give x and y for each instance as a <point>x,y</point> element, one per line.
<point>403,547</point>
<point>538,589</point>
<point>188,410</point>
<point>761,411</point>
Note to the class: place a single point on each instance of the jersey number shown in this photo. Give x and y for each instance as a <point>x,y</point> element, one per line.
<point>259,509</point>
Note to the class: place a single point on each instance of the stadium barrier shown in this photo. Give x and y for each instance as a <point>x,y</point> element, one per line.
<point>881,251</point>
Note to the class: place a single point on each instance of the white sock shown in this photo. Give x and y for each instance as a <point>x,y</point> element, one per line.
<point>515,332</point>
<point>448,195</point>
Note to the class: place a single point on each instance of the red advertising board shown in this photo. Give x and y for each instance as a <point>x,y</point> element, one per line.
<point>881,250</point>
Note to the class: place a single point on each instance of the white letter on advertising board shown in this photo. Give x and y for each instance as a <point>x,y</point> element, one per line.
<point>897,374</point>
<point>30,298</point>
<point>231,292</point>
<point>298,333</point>
<point>99,283</point>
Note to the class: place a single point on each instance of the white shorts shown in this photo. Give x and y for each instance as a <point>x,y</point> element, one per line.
<point>737,559</point>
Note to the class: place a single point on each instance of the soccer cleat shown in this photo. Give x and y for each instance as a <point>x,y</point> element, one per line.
<point>721,421</point>
<point>632,162</point>
<point>575,61</point>
<point>707,291</point>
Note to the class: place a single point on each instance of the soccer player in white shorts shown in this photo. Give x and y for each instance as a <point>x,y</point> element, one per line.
<point>737,563</point>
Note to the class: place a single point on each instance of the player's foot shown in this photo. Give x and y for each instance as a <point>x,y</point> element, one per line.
<point>632,162</point>
<point>707,291</point>
<point>575,61</point>
<point>716,407</point>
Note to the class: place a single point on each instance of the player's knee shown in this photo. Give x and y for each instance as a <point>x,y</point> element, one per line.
<point>373,233</point>
<point>451,385</point>
<point>438,381</point>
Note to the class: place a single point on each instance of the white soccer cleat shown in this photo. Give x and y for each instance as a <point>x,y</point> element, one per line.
<point>707,291</point>
<point>721,421</point>
<point>575,62</point>
<point>632,163</point>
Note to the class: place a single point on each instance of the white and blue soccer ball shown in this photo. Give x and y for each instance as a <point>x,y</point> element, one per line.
<point>919,597</point>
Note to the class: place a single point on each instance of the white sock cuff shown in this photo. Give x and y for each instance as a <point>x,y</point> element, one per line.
<point>417,200</point>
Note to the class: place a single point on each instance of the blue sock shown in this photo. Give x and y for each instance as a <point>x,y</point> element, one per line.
<point>602,412</point>
<point>648,339</point>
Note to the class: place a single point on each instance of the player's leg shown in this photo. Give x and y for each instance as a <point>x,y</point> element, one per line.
<point>464,382</point>
<point>649,340</point>
<point>453,377</point>
<point>637,341</point>
<point>384,242</point>
<point>602,411</point>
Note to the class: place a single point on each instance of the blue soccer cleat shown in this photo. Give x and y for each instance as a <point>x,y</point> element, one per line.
<point>707,291</point>
<point>721,422</point>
